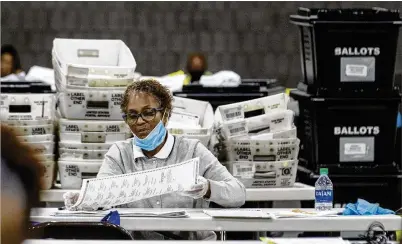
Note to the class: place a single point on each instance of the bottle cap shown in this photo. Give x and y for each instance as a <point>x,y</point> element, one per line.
<point>324,171</point>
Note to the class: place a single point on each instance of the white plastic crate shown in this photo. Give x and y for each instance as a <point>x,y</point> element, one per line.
<point>191,119</point>
<point>33,130</point>
<point>74,126</point>
<point>49,174</point>
<point>43,147</point>
<point>63,81</point>
<point>94,104</point>
<point>88,58</point>
<point>279,120</point>
<point>27,106</point>
<point>264,135</point>
<point>93,137</point>
<point>46,157</point>
<point>72,173</point>
<point>85,146</point>
<point>263,150</point>
<point>37,138</point>
<point>264,174</point>
<point>80,154</point>
<point>27,122</point>
<point>251,108</point>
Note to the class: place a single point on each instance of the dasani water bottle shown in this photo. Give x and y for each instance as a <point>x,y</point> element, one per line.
<point>324,193</point>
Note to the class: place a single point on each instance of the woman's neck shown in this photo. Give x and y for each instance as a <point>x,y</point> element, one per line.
<point>152,153</point>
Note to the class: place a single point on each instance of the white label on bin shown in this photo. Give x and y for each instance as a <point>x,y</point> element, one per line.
<point>356,70</point>
<point>75,81</point>
<point>78,71</point>
<point>355,149</point>
<point>237,128</point>
<point>233,113</point>
<point>72,170</point>
<point>243,170</point>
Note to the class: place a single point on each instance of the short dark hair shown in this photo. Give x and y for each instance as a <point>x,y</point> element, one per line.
<point>153,87</point>
<point>10,49</point>
<point>201,56</point>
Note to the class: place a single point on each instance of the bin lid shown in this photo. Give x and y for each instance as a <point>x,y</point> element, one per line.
<point>25,87</point>
<point>311,15</point>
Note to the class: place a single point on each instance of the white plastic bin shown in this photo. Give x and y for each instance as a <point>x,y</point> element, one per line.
<point>264,174</point>
<point>27,106</point>
<point>74,126</point>
<point>85,146</point>
<point>94,104</point>
<point>72,173</point>
<point>49,174</point>
<point>192,119</point>
<point>79,155</point>
<point>94,58</point>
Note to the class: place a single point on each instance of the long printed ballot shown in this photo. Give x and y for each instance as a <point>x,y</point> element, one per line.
<point>122,189</point>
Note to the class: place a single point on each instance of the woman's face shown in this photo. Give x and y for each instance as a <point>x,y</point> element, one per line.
<point>142,102</point>
<point>6,64</point>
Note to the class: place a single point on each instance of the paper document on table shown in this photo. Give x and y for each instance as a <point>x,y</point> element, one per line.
<point>122,189</point>
<point>337,240</point>
<point>239,213</point>
<point>299,213</point>
<point>125,213</point>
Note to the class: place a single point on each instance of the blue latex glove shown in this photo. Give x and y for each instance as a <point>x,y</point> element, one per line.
<point>113,218</point>
<point>399,121</point>
<point>362,207</point>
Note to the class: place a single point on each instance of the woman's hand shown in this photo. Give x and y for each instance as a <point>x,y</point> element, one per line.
<point>70,198</point>
<point>198,190</point>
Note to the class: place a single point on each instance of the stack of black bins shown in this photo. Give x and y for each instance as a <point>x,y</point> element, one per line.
<point>348,102</point>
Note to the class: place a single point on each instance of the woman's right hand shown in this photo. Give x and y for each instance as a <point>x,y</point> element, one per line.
<point>70,198</point>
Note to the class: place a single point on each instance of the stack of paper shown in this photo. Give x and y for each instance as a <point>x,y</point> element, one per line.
<point>259,213</point>
<point>299,213</point>
<point>303,240</point>
<point>124,213</point>
<point>239,213</point>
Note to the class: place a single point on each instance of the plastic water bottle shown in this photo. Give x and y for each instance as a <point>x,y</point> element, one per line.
<point>324,193</point>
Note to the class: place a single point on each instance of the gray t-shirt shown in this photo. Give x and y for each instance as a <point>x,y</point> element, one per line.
<point>124,157</point>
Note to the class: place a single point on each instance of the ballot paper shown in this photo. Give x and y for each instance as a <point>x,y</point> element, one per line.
<point>300,213</point>
<point>239,213</point>
<point>333,240</point>
<point>122,189</point>
<point>125,213</point>
<point>259,213</point>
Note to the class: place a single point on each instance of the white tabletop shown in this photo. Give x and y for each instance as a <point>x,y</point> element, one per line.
<point>123,242</point>
<point>197,220</point>
<point>299,192</point>
<point>316,241</point>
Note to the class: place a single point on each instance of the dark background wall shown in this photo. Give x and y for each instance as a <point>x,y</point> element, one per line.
<point>255,39</point>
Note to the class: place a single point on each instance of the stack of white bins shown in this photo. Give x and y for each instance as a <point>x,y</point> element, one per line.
<point>192,119</point>
<point>31,116</point>
<point>257,141</point>
<point>91,76</point>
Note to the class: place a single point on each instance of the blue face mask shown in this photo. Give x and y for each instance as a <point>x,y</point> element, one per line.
<point>153,139</point>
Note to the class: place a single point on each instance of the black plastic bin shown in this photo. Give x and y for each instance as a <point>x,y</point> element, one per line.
<point>348,51</point>
<point>383,189</point>
<point>347,135</point>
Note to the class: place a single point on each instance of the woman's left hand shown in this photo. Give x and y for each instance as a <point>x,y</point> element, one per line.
<point>198,190</point>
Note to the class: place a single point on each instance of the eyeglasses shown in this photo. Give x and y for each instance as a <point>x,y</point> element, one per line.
<point>147,115</point>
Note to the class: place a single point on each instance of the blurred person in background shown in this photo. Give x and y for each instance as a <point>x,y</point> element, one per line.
<point>10,61</point>
<point>196,67</point>
<point>20,184</point>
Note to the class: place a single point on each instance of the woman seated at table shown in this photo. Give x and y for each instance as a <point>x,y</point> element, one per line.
<point>147,106</point>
